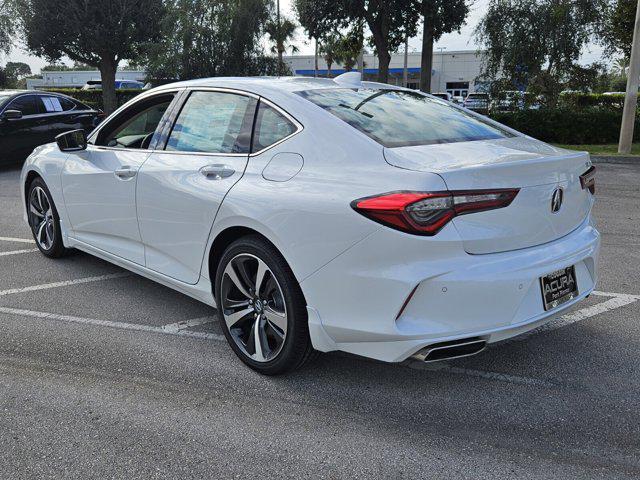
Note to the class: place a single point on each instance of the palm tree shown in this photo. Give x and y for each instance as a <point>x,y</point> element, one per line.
<point>281,32</point>
<point>330,50</point>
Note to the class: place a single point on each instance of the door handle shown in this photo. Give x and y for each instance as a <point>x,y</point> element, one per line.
<point>217,171</point>
<point>125,172</point>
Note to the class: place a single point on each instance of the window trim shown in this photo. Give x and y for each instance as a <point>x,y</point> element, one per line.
<point>189,90</point>
<point>171,116</point>
<point>298,125</point>
<point>177,92</point>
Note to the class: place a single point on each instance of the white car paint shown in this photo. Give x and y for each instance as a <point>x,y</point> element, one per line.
<point>479,276</point>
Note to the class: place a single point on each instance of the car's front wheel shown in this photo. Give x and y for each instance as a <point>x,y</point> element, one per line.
<point>44,220</point>
<point>261,307</point>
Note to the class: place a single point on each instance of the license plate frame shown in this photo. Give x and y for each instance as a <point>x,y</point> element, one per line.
<point>558,287</point>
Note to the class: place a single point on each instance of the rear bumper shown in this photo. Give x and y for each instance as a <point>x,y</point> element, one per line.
<point>356,300</point>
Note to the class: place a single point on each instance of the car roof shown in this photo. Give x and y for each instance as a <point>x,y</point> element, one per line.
<point>266,85</point>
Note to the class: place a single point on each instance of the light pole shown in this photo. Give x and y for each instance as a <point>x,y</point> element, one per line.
<point>631,98</point>
<point>405,71</point>
<point>442,64</point>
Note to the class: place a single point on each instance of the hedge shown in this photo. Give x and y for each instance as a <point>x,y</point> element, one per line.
<point>93,98</point>
<point>580,101</point>
<point>589,126</point>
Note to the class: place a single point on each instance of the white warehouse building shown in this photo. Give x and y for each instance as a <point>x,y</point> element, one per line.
<point>77,78</point>
<point>455,72</point>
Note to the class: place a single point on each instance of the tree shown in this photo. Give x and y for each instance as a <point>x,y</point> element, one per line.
<point>204,38</point>
<point>617,31</point>
<point>281,31</point>
<point>15,72</point>
<point>535,42</point>
<point>389,22</point>
<point>7,25</point>
<point>350,46</point>
<point>100,34</point>
<point>329,49</point>
<point>439,17</point>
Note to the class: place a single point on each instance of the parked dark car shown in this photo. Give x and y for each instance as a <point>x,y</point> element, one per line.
<point>32,118</point>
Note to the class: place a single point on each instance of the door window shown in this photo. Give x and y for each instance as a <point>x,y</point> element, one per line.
<point>26,104</point>
<point>213,122</point>
<point>51,104</point>
<point>135,127</point>
<point>271,127</point>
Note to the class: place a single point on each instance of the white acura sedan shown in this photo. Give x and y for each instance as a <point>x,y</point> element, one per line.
<point>322,215</point>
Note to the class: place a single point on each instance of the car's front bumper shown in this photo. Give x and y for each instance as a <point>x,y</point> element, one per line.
<point>356,301</point>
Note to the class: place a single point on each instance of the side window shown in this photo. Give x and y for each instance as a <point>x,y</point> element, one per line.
<point>213,122</point>
<point>271,127</point>
<point>26,104</point>
<point>51,104</point>
<point>134,128</point>
<point>66,104</point>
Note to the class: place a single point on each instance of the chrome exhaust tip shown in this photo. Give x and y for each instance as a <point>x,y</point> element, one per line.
<point>450,350</point>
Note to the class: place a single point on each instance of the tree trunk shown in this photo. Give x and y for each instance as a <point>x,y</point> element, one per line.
<point>329,63</point>
<point>384,58</point>
<point>108,67</point>
<point>426,65</point>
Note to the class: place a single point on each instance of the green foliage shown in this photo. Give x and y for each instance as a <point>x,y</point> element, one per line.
<point>100,34</point>
<point>567,126</point>
<point>579,101</point>
<point>280,34</point>
<point>617,31</point>
<point>205,38</point>
<point>93,98</point>
<point>389,22</point>
<point>13,74</point>
<point>7,25</point>
<point>536,41</point>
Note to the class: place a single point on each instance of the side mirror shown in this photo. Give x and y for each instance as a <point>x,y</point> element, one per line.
<point>12,115</point>
<point>72,141</point>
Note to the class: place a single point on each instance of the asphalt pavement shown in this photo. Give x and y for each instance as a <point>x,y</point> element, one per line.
<point>104,374</point>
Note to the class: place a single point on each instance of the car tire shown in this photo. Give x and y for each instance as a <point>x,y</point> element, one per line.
<point>266,327</point>
<point>44,220</point>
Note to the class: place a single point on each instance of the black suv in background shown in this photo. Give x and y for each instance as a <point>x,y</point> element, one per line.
<point>32,118</point>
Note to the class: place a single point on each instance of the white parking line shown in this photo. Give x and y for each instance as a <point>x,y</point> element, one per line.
<point>16,252</point>
<point>194,322</point>
<point>108,323</point>
<point>64,283</point>
<point>616,300</point>
<point>502,377</point>
<point>19,240</point>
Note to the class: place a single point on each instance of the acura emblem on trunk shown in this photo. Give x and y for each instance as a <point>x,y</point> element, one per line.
<point>556,200</point>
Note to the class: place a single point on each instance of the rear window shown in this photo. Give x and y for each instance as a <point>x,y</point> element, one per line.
<point>397,118</point>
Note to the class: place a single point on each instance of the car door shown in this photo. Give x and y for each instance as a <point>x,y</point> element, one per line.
<point>181,187</point>
<point>22,135</point>
<point>99,183</point>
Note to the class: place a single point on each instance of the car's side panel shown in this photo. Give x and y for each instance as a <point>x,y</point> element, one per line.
<point>177,204</point>
<point>101,204</point>
<point>309,217</point>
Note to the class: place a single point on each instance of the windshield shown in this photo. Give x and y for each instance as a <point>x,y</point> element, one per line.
<point>398,118</point>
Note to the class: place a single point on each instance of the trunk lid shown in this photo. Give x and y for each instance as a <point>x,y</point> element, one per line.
<point>536,168</point>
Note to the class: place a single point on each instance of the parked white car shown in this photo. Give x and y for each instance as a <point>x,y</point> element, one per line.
<point>323,215</point>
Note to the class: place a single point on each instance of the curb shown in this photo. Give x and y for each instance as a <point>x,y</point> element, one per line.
<point>620,159</point>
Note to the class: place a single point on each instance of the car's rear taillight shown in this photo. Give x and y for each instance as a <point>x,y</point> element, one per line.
<point>588,180</point>
<point>425,213</point>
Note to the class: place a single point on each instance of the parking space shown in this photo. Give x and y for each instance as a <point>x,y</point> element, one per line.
<point>88,347</point>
